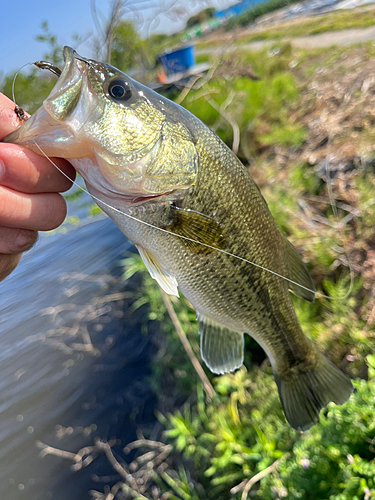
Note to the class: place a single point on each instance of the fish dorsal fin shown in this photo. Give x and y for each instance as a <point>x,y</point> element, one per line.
<point>221,348</point>
<point>198,227</point>
<point>299,274</point>
<point>164,278</point>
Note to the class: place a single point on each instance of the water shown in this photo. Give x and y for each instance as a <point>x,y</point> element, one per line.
<point>47,384</point>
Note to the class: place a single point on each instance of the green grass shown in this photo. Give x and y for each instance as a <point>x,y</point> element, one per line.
<point>202,58</point>
<point>260,108</point>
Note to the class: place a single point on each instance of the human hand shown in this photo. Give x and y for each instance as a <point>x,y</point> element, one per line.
<point>29,199</point>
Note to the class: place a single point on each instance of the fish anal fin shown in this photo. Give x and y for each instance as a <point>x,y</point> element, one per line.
<point>221,348</point>
<point>299,274</point>
<point>164,278</point>
<point>203,232</point>
<point>303,392</point>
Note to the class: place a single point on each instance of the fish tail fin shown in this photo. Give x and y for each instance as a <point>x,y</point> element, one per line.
<point>304,393</point>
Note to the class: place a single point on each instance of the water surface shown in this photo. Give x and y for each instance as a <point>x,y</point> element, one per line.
<point>52,392</point>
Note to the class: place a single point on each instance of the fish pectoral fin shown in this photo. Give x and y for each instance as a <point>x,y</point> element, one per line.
<point>221,348</point>
<point>299,274</point>
<point>164,278</point>
<point>204,233</point>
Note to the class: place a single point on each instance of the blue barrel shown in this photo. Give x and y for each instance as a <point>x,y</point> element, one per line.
<point>179,60</point>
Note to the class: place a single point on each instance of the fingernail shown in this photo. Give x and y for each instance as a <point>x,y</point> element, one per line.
<point>2,169</point>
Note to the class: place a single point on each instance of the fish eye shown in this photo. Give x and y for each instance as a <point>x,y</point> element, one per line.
<point>119,90</point>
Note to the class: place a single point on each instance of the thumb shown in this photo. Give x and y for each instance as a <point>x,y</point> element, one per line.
<point>9,121</point>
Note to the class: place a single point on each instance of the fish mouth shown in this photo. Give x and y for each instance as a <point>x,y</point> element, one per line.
<point>64,97</point>
<point>69,55</point>
<point>57,128</point>
<point>74,62</point>
<point>50,128</point>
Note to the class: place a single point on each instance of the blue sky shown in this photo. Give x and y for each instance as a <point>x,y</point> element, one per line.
<point>20,21</point>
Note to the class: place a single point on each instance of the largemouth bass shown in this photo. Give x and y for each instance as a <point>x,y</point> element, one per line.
<point>197,219</point>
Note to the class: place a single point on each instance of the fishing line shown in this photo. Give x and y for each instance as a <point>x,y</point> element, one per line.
<point>45,65</point>
<point>317,294</point>
<point>14,79</point>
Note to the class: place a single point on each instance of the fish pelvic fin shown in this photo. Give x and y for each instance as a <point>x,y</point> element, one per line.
<point>157,271</point>
<point>305,392</point>
<point>221,348</point>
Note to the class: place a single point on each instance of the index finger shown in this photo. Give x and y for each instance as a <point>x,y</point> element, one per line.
<point>29,172</point>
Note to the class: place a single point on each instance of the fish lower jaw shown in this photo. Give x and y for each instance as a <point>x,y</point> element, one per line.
<point>96,183</point>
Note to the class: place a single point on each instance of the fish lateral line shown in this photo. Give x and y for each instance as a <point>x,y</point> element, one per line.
<point>317,294</point>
